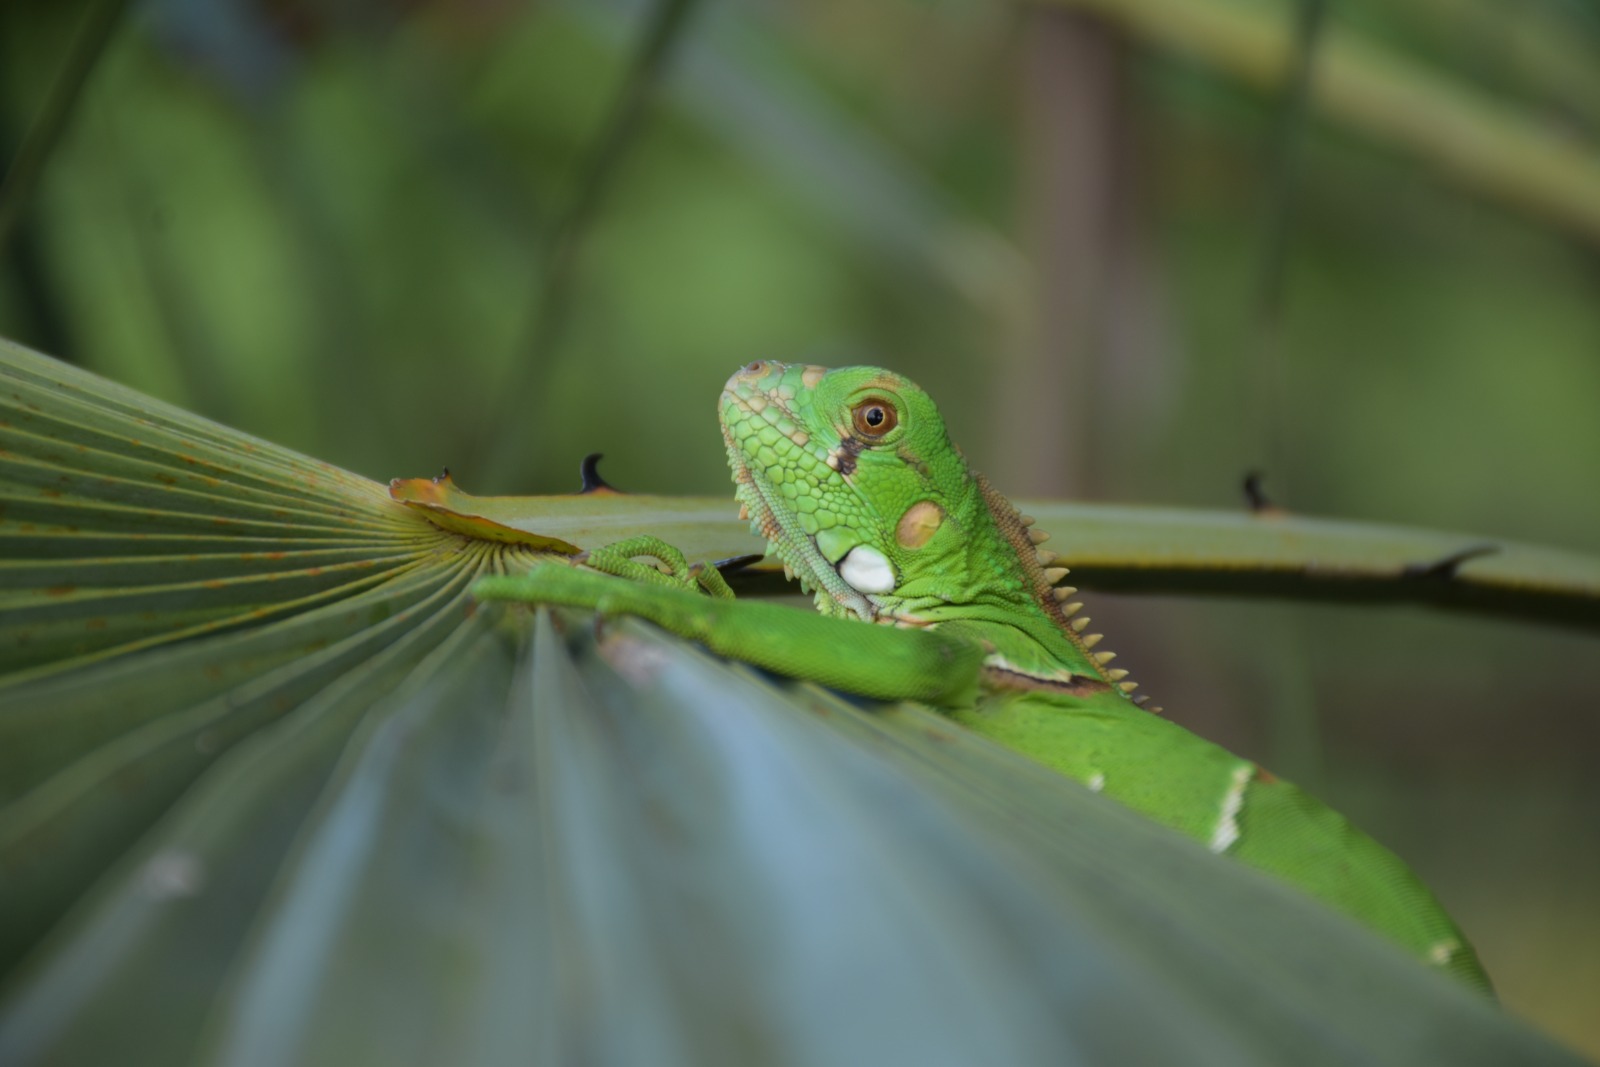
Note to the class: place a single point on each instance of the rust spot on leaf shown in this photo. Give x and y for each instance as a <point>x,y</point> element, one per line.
<point>448,508</point>
<point>61,590</point>
<point>94,624</point>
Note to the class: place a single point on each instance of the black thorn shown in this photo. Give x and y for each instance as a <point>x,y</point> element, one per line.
<point>442,476</point>
<point>589,471</point>
<point>1445,569</point>
<point>738,563</point>
<point>1254,495</point>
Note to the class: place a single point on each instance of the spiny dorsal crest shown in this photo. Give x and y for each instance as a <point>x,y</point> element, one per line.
<point>1050,590</point>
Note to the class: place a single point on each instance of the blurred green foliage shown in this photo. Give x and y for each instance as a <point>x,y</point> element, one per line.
<point>331,224</point>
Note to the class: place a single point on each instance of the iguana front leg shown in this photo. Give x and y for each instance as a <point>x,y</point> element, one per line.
<point>620,558</point>
<point>881,662</point>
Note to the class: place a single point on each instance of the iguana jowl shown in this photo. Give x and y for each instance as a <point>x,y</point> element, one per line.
<point>850,476</point>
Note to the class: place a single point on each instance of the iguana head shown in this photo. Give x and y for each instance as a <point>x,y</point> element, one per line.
<point>851,477</point>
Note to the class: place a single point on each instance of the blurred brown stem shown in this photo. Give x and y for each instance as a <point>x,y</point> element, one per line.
<point>1073,185</point>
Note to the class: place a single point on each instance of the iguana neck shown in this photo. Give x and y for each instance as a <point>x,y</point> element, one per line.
<point>1009,601</point>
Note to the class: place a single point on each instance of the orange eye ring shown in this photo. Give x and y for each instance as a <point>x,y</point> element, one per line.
<point>874,417</point>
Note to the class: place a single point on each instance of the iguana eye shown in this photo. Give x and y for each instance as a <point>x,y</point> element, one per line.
<point>874,418</point>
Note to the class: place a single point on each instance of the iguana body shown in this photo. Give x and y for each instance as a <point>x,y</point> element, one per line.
<point>851,477</point>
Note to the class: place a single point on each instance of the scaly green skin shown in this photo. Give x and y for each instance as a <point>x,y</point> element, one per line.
<point>850,476</point>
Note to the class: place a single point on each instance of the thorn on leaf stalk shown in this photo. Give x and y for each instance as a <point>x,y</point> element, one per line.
<point>1445,569</point>
<point>734,564</point>
<point>442,476</point>
<point>1256,497</point>
<point>589,473</point>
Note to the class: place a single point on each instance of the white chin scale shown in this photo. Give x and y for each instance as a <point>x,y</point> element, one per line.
<point>866,570</point>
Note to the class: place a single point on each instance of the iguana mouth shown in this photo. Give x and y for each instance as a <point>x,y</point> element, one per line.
<point>778,525</point>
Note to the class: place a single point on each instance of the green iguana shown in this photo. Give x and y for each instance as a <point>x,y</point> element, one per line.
<point>850,476</point>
